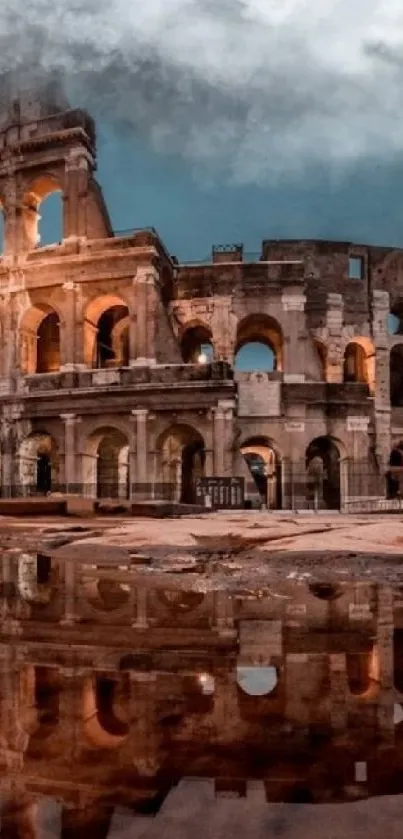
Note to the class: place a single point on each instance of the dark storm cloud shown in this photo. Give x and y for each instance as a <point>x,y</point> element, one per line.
<point>253,88</point>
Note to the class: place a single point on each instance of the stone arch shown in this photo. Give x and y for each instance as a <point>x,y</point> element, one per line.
<point>43,684</point>
<point>106,332</point>
<point>2,227</point>
<point>326,468</point>
<point>39,339</point>
<point>264,463</point>
<point>103,725</point>
<point>361,672</point>
<point>35,578</point>
<point>396,375</point>
<point>394,475</point>
<point>326,591</point>
<point>38,465</point>
<point>196,343</point>
<point>259,336</point>
<point>41,224</point>
<point>359,362</point>
<point>180,451</point>
<point>106,464</point>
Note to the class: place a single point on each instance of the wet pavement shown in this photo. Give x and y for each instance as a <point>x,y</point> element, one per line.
<point>236,676</point>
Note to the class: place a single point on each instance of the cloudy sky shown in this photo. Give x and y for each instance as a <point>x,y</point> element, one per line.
<point>232,120</point>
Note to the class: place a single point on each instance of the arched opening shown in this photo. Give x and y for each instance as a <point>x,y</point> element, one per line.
<point>38,464</point>
<point>34,578</point>
<point>394,475</point>
<point>358,667</point>
<point>40,340</point>
<point>325,591</point>
<point>259,345</point>
<point>181,451</point>
<point>106,464</point>
<point>104,594</point>
<point>106,333</point>
<point>257,681</point>
<point>359,363</point>
<point>398,659</point>
<point>395,319</point>
<point>44,688</point>
<point>321,350</point>
<point>42,211</point>
<point>104,699</point>
<point>396,376</point>
<point>323,474</point>
<point>2,228</point>
<point>264,465</point>
<point>196,345</point>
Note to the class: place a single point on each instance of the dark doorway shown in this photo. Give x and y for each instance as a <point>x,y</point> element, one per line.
<point>43,474</point>
<point>323,474</point>
<point>193,459</point>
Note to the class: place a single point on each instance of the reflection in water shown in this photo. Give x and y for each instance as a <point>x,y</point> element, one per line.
<point>119,690</point>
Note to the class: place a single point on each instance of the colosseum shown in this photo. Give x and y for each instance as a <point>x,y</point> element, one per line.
<point>127,374</point>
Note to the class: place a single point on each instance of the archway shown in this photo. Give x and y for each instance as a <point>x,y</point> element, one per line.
<point>2,228</point>
<point>259,344</point>
<point>323,474</point>
<point>106,464</point>
<point>396,376</point>
<point>42,212</point>
<point>102,708</point>
<point>106,333</point>
<point>359,362</point>
<point>395,319</point>
<point>196,345</point>
<point>394,475</point>
<point>38,464</point>
<point>264,464</point>
<point>40,340</point>
<point>181,452</point>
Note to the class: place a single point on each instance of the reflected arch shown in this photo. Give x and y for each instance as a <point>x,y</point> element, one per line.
<point>180,451</point>
<point>38,464</point>
<point>264,463</point>
<point>257,681</point>
<point>106,332</point>
<point>104,724</point>
<point>396,376</point>
<point>106,464</point>
<point>259,344</point>
<point>39,336</point>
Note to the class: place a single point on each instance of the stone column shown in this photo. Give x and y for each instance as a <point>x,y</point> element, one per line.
<point>139,458</point>
<point>295,336</point>
<point>223,328</point>
<point>222,437</point>
<point>142,328</point>
<point>223,621</point>
<point>141,748</point>
<point>68,329</point>
<point>141,621</point>
<point>69,616</point>
<point>75,194</point>
<point>334,323</point>
<point>11,237</point>
<point>338,692</point>
<point>7,466</point>
<point>380,309</point>
<point>384,651</point>
<point>70,466</point>
<point>71,710</point>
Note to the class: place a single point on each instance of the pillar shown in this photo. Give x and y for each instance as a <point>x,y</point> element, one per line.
<point>334,323</point>
<point>139,454</point>
<point>141,621</point>
<point>7,466</point>
<point>70,466</point>
<point>75,194</point>
<point>71,711</point>
<point>69,616</point>
<point>294,366</point>
<point>380,309</point>
<point>338,692</point>
<point>68,329</point>
<point>384,651</point>
<point>142,328</point>
<point>222,438</point>
<point>223,328</point>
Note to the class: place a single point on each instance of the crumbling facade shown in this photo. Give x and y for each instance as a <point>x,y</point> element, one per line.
<point>118,365</point>
<point>113,689</point>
